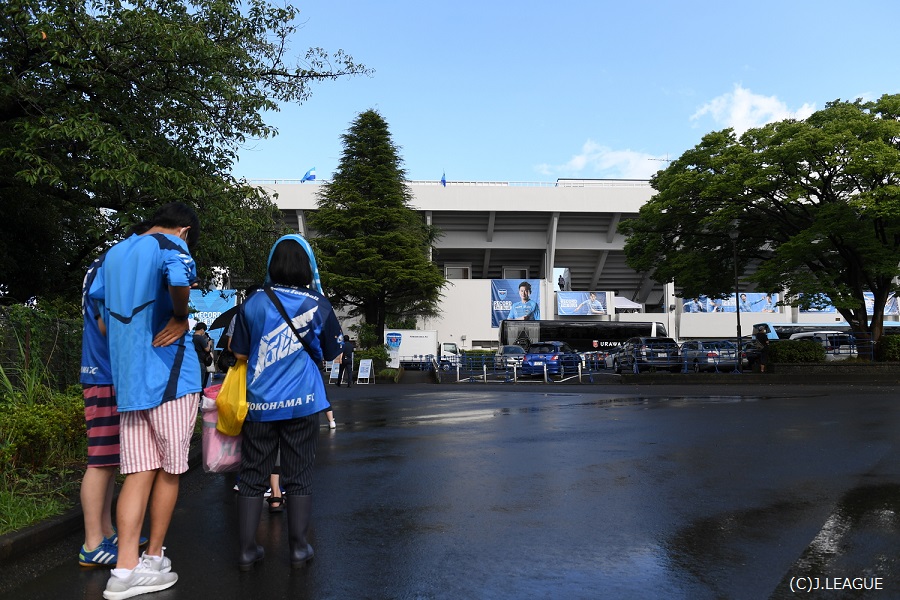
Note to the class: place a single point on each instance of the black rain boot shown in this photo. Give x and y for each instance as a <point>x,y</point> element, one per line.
<point>249,510</point>
<point>299,509</point>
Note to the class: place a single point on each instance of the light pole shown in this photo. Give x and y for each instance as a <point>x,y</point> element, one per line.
<point>733,234</point>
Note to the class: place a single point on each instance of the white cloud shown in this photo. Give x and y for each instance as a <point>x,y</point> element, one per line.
<point>741,110</point>
<point>597,161</point>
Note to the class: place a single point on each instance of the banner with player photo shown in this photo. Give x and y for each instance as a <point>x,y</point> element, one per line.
<point>518,299</point>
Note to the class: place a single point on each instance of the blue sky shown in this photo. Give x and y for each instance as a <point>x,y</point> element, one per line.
<point>531,92</point>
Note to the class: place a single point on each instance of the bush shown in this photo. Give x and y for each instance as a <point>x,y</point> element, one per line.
<point>889,348</point>
<point>48,338</point>
<point>378,354</point>
<point>392,374</point>
<point>42,456</point>
<point>36,437</point>
<point>476,353</point>
<point>796,351</point>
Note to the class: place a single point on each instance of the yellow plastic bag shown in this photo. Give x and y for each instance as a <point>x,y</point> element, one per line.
<point>232,400</point>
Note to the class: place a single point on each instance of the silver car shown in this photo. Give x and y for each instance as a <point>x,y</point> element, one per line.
<point>716,355</point>
<point>838,345</point>
<point>508,356</point>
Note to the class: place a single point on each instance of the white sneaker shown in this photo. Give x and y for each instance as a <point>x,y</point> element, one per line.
<point>268,493</point>
<point>331,424</point>
<point>142,580</point>
<point>162,563</point>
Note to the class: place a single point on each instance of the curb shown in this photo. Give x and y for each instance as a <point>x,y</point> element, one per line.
<point>17,543</point>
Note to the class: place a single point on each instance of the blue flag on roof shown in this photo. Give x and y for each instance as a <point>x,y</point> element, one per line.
<point>444,179</point>
<point>310,175</point>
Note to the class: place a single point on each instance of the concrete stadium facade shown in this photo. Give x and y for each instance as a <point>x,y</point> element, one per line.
<point>506,230</point>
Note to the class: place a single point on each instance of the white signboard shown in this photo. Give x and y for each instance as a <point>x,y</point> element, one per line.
<point>335,369</point>
<point>365,371</point>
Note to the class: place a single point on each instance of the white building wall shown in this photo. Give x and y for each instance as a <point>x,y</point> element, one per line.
<point>466,312</point>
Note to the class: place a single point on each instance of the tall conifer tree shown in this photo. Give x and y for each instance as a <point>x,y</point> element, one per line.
<point>374,249</point>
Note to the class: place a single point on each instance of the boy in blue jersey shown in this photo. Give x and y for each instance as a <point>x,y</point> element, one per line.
<point>102,425</point>
<point>144,288</point>
<point>100,546</point>
<point>285,392</point>
<point>527,309</point>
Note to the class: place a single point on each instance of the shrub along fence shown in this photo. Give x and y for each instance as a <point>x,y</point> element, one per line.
<point>33,341</point>
<point>42,439</point>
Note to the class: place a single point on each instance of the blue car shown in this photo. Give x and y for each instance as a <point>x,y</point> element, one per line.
<point>558,357</point>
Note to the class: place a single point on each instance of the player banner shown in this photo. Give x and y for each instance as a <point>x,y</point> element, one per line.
<point>518,299</point>
<point>581,303</point>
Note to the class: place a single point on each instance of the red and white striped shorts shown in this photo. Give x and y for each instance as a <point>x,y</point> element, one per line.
<point>160,437</point>
<point>102,420</point>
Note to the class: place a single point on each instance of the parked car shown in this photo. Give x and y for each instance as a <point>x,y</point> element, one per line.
<point>508,356</point>
<point>839,345</point>
<point>558,357</point>
<point>611,357</point>
<point>594,359</point>
<point>645,353</point>
<point>709,355</point>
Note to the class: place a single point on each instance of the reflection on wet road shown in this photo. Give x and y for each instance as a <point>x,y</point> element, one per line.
<point>654,492</point>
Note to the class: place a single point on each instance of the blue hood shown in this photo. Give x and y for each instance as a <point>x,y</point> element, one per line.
<point>316,282</point>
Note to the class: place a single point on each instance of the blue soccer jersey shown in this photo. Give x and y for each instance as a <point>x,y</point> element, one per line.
<point>95,367</point>
<point>283,376</point>
<point>133,287</point>
<point>527,310</point>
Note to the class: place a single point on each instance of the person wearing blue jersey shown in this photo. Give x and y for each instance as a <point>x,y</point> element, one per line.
<point>284,333</point>
<point>594,305</point>
<point>144,288</point>
<point>102,426</point>
<point>101,418</point>
<point>526,309</point>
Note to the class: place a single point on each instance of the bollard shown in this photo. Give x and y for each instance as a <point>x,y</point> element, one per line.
<point>484,369</point>
<point>545,373</point>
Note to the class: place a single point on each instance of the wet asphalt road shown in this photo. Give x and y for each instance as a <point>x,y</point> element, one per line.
<point>534,491</point>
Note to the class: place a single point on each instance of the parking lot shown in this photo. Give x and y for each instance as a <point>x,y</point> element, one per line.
<point>548,362</point>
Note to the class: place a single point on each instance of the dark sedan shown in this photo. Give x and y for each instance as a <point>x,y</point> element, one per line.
<point>648,354</point>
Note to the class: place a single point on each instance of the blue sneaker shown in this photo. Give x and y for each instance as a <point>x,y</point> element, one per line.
<point>114,539</point>
<point>104,555</point>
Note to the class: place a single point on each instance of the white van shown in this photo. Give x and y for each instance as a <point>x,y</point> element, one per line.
<point>838,345</point>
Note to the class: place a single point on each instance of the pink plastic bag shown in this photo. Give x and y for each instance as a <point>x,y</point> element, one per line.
<point>221,453</point>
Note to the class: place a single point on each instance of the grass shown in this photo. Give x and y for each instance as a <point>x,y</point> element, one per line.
<point>37,497</point>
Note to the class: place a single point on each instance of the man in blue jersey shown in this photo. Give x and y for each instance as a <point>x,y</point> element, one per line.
<point>102,425</point>
<point>100,546</point>
<point>527,309</point>
<point>144,288</point>
<point>594,304</point>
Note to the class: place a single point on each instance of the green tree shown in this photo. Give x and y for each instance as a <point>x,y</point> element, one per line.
<point>815,205</point>
<point>110,108</point>
<point>374,249</point>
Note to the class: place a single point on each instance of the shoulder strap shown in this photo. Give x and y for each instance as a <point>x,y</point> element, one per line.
<point>274,298</point>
